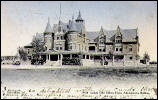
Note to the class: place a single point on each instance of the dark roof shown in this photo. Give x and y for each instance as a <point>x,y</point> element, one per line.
<point>68,26</point>
<point>92,35</point>
<point>128,35</point>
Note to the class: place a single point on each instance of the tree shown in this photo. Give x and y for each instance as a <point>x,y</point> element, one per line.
<point>146,57</point>
<point>38,44</point>
<point>137,57</point>
<point>22,54</point>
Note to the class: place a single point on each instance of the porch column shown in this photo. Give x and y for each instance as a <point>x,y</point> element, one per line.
<point>58,56</point>
<point>70,56</point>
<point>89,57</point>
<point>61,57</point>
<point>85,56</point>
<point>49,57</point>
<point>95,49</point>
<point>103,59</point>
<point>113,59</point>
<point>124,60</point>
<point>46,57</point>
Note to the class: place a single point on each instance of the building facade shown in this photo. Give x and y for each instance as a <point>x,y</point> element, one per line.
<point>119,45</point>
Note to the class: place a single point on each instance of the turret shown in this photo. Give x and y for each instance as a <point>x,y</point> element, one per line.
<point>72,36</point>
<point>79,18</point>
<point>118,35</point>
<point>48,36</point>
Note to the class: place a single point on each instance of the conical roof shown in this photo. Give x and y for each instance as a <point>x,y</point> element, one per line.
<point>48,27</point>
<point>118,30</point>
<point>101,30</point>
<point>79,16</point>
<point>73,26</point>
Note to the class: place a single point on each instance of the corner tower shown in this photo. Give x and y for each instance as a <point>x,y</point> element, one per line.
<point>48,36</point>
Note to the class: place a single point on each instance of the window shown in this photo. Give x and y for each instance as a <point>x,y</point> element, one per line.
<point>130,58</point>
<point>101,41</point>
<point>57,48</point>
<point>61,37</point>
<point>87,57</point>
<point>99,49</point>
<point>57,38</point>
<point>120,49</point>
<point>130,49</point>
<point>118,41</point>
<point>116,49</point>
<point>60,48</point>
<point>70,47</point>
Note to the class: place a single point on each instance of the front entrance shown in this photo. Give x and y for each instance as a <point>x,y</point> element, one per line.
<point>71,59</point>
<point>54,57</point>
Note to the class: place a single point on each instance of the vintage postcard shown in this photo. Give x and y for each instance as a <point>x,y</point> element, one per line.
<point>79,50</point>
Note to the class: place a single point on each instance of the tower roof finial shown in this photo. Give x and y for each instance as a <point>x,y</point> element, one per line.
<point>101,30</point>
<point>118,30</point>
<point>79,18</point>
<point>60,12</point>
<point>79,14</point>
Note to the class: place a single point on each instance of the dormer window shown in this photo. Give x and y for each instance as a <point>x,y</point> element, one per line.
<point>118,39</point>
<point>59,29</point>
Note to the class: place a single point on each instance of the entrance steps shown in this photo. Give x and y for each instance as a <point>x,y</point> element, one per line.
<point>52,63</point>
<point>88,62</point>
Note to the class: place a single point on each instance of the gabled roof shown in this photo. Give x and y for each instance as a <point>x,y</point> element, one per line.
<point>128,35</point>
<point>92,35</point>
<point>63,25</point>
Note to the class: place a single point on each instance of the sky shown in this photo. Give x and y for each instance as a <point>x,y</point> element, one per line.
<point>20,20</point>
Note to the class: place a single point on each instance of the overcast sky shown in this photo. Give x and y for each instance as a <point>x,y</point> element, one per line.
<point>21,20</point>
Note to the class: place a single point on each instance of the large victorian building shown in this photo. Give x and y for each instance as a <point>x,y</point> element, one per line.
<point>71,40</point>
